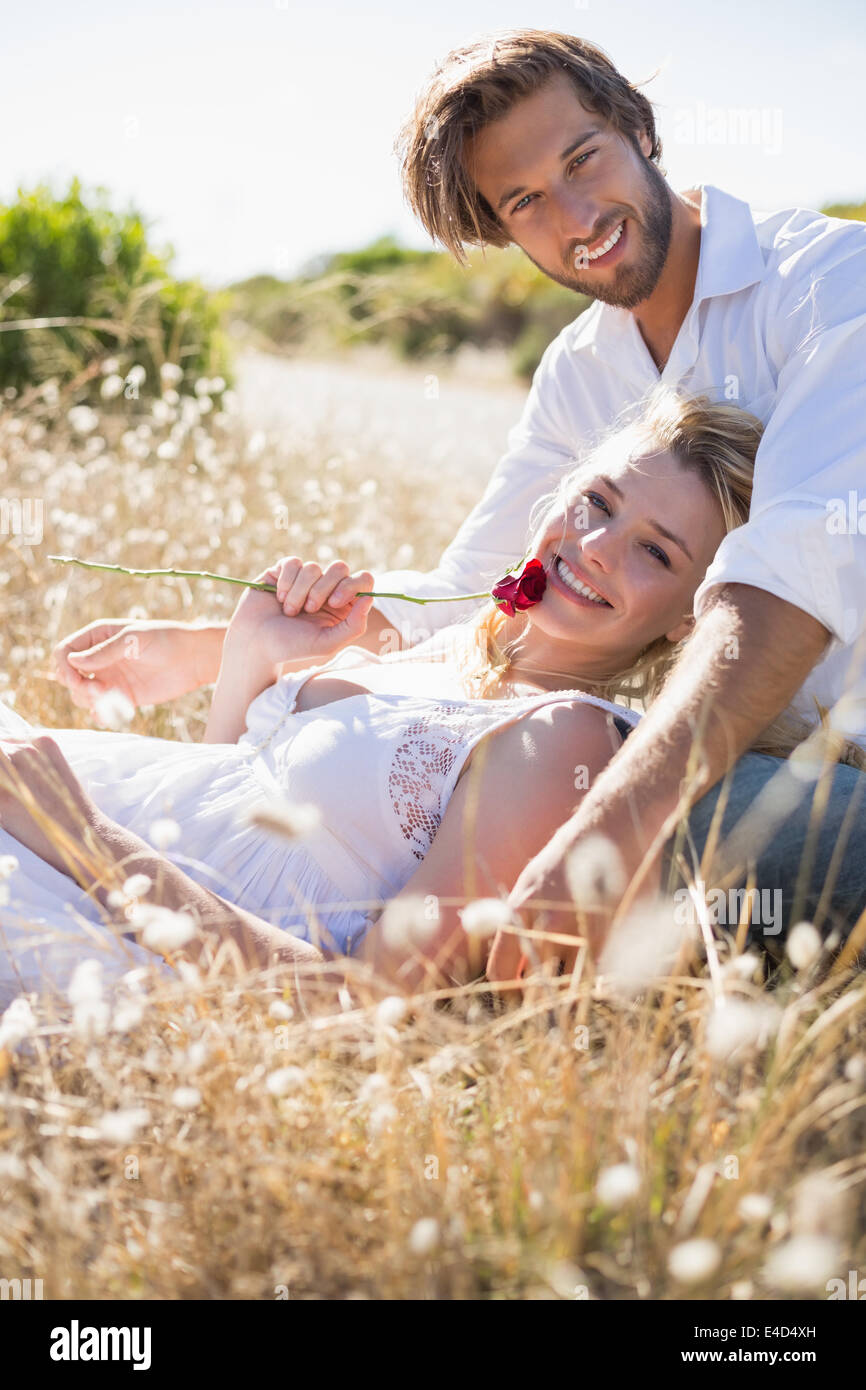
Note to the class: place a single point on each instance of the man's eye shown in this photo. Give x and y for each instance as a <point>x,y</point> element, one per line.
<point>578,161</point>
<point>523,202</point>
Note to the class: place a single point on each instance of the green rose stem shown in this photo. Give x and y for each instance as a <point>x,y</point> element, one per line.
<point>245,583</point>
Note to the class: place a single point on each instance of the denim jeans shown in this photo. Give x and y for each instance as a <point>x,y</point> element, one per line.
<point>796,833</point>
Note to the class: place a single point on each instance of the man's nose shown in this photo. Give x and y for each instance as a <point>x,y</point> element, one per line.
<point>575,217</point>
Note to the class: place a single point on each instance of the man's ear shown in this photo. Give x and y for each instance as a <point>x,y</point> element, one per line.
<point>645,142</point>
<point>682,630</point>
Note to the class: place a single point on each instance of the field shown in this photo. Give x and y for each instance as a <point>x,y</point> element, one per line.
<point>698,1137</point>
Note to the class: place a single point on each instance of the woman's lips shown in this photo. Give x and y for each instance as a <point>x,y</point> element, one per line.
<point>580,599</point>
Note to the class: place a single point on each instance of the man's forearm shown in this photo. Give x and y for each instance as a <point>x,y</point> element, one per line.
<point>736,675</point>
<point>218,920</point>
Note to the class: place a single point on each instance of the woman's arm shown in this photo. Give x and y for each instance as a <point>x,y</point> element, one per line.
<point>540,766</point>
<point>308,620</point>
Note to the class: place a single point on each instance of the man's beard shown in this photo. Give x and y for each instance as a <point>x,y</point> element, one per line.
<point>631,284</point>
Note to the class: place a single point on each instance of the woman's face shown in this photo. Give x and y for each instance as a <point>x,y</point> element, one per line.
<point>625,557</point>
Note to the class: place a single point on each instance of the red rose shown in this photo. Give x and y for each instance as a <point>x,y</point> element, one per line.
<point>517,592</point>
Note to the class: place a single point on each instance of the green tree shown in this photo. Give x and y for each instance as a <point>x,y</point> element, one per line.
<point>79,281</point>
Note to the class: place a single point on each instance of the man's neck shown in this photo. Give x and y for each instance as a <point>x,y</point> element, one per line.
<point>659,318</point>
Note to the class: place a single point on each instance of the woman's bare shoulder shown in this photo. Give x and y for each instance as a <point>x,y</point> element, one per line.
<point>547,744</point>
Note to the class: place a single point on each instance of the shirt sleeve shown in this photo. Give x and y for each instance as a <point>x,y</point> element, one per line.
<point>805,539</point>
<point>541,448</point>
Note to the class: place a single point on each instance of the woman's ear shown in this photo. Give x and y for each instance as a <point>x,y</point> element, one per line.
<point>682,630</point>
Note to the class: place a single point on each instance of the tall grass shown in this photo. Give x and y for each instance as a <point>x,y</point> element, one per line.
<point>246,1137</point>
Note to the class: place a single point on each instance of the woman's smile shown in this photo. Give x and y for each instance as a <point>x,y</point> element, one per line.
<point>574,586</point>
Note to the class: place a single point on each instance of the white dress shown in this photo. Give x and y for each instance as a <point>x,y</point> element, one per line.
<point>379,767</point>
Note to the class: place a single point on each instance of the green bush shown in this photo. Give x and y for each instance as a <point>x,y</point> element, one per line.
<point>90,273</point>
<point>417,303</point>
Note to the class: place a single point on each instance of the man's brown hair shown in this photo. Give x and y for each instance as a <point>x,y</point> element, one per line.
<point>478,84</point>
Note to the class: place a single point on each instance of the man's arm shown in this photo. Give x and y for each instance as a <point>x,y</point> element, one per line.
<point>45,807</point>
<point>748,655</point>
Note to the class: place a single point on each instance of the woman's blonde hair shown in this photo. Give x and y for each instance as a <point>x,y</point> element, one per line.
<point>718,441</point>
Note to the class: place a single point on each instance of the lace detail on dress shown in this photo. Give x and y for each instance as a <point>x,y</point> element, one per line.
<point>420,770</point>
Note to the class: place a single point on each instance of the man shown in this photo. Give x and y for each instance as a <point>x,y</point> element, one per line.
<point>536,139</point>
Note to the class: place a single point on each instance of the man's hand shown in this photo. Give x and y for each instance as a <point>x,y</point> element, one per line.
<point>572,888</point>
<point>735,675</point>
<point>42,803</point>
<point>150,662</point>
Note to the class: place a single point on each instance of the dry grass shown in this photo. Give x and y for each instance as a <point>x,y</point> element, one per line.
<point>233,1140</point>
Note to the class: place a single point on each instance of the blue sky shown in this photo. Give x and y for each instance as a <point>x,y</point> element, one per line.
<point>256,135</point>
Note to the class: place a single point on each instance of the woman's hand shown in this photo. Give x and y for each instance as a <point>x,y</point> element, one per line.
<point>42,803</point>
<point>148,661</point>
<point>313,613</point>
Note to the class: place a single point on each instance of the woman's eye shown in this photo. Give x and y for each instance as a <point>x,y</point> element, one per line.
<point>659,554</point>
<point>597,501</point>
<point>523,202</point>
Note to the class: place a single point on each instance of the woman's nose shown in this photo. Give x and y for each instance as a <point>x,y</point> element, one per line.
<point>598,547</point>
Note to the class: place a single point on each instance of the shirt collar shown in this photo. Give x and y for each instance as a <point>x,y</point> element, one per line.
<point>730,258</point>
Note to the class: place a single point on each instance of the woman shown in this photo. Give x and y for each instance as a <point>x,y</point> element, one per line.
<point>436,774</point>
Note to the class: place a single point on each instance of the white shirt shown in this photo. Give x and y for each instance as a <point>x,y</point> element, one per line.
<point>777,325</point>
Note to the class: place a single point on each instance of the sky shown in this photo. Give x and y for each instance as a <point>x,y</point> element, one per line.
<point>255,135</point>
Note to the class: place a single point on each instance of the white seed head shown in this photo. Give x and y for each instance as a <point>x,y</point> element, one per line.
<point>755,1206</point>
<point>137,886</point>
<point>85,986</point>
<point>484,917</point>
<point>113,710</point>
<point>164,833</point>
<point>121,1126</point>
<point>291,821</point>
<point>594,872</point>
<point>285,1080</point>
<point>424,1236</point>
<point>17,1023</point>
<point>82,419</point>
<point>391,1011</point>
<point>8,865</point>
<point>407,924</point>
<point>642,948</point>
<point>186,1098</point>
<point>162,930</point>
<point>127,1016</point>
<point>693,1261</point>
<point>804,945</point>
<point>617,1185</point>
<point>804,1262</point>
<point>111,386</point>
<point>737,1026</point>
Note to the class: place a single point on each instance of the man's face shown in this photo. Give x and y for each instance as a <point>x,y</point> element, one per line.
<point>562,182</point>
